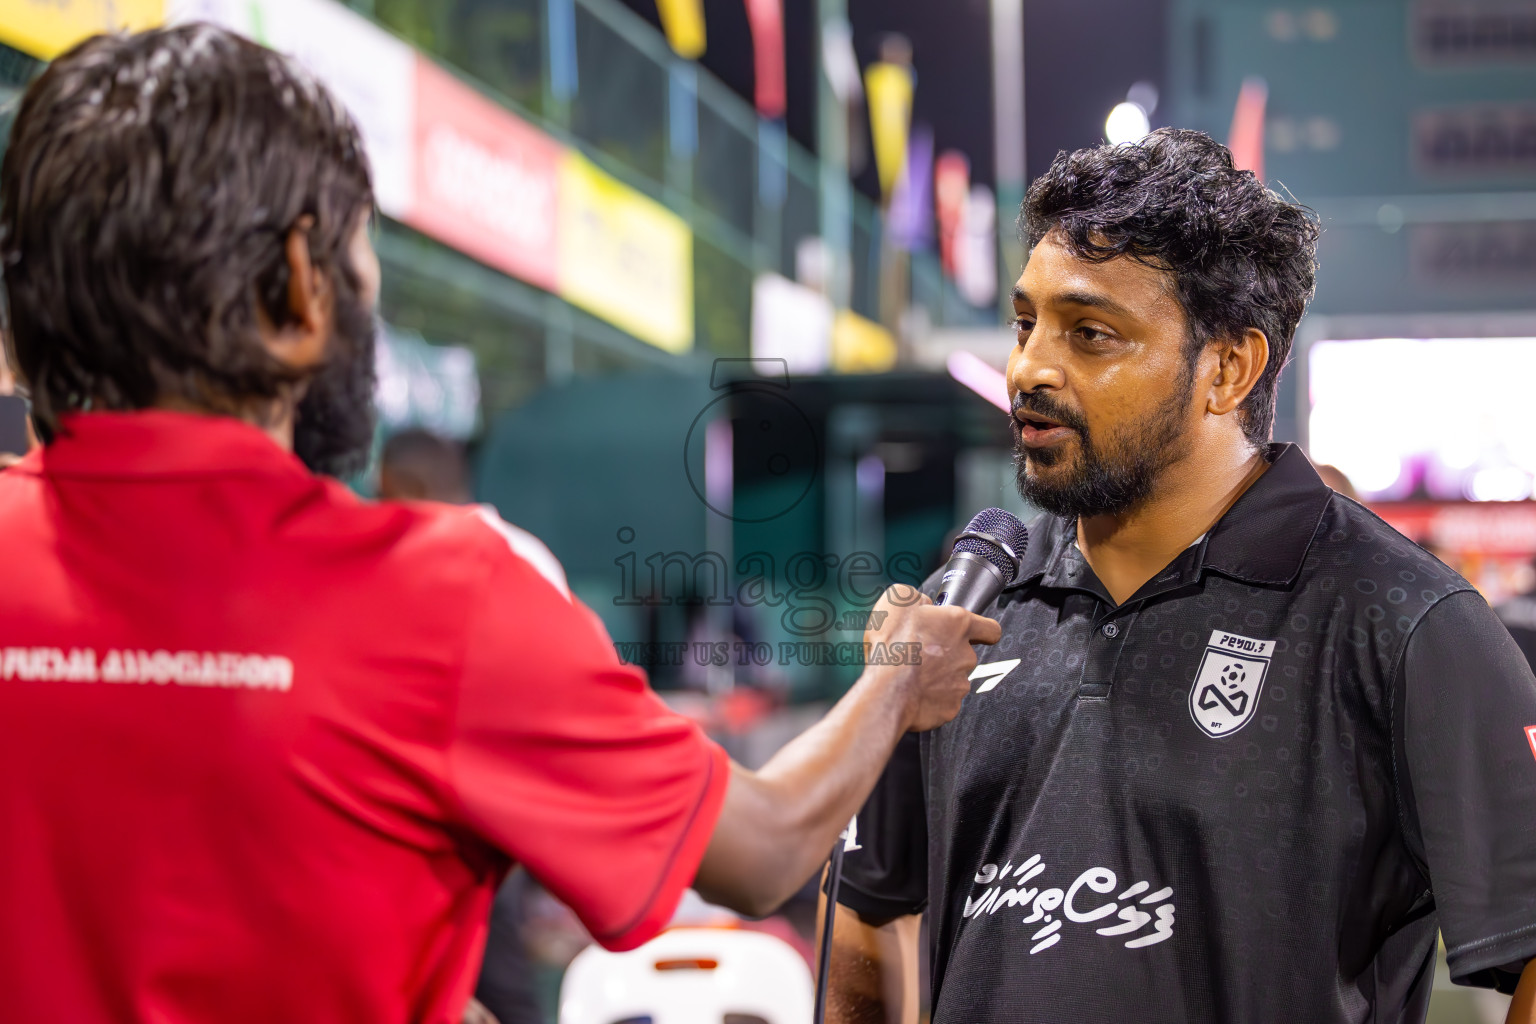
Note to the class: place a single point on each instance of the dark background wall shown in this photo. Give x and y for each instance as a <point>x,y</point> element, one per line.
<point>1080,58</point>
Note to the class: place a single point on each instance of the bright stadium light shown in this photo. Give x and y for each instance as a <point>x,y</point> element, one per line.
<point>1126,123</point>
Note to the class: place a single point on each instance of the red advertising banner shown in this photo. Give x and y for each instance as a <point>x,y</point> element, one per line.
<point>486,183</point>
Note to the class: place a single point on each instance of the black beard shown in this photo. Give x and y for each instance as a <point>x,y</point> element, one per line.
<point>1110,478</point>
<point>334,423</point>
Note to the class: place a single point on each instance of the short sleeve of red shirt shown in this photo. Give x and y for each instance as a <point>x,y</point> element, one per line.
<point>565,759</point>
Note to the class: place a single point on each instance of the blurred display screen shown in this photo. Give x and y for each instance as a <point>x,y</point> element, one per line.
<point>1397,417</point>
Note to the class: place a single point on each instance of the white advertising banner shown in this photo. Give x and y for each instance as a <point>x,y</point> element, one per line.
<point>369,70</point>
<point>791,322</point>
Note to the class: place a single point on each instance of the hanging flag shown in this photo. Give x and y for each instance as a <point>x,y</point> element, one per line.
<point>839,62</point>
<point>951,187</point>
<point>1246,139</point>
<point>767,20</point>
<point>889,89</point>
<point>683,22</point>
<point>976,248</point>
<point>911,218</point>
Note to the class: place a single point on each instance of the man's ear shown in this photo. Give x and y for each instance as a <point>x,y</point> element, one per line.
<point>300,343</point>
<point>1240,364</point>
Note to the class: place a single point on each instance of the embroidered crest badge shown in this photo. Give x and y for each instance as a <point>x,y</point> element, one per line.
<point>1226,689</point>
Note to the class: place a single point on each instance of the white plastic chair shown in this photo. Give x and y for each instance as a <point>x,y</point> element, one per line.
<point>690,976</point>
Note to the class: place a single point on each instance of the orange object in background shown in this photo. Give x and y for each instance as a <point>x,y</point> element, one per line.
<point>690,974</point>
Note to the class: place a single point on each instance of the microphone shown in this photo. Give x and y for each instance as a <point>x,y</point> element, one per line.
<point>986,559</point>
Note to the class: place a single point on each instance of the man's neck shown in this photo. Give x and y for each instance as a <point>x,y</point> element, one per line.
<point>1191,497</point>
<point>275,419</point>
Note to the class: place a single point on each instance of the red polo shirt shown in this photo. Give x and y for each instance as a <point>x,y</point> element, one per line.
<point>266,749</point>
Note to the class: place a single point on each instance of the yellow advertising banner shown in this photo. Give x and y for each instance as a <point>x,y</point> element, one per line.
<point>860,345</point>
<point>624,257</point>
<point>46,28</point>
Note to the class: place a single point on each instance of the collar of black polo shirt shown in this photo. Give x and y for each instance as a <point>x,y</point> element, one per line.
<point>1262,539</point>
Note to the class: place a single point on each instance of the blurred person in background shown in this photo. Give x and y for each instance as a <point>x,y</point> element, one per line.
<point>1335,478</point>
<point>267,749</point>
<point>1519,617</point>
<point>1243,750</point>
<point>418,465</point>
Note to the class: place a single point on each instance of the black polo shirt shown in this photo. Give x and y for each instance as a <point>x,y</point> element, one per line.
<point>1252,792</point>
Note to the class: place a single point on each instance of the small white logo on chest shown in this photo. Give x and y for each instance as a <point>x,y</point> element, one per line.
<point>992,673</point>
<point>1226,689</point>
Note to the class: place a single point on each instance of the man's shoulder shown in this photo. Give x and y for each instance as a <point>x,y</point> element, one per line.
<point>1379,587</point>
<point>427,545</point>
<point>1351,538</point>
<point>520,545</point>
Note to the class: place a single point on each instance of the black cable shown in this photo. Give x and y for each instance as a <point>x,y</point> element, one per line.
<point>824,962</point>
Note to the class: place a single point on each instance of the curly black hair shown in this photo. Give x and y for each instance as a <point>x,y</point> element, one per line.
<point>1239,254</point>
<point>145,200</point>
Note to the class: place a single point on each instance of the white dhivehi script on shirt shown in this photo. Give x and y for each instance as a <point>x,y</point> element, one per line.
<point>1144,914</point>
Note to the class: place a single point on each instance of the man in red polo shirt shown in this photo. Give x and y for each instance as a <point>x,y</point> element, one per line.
<point>266,749</point>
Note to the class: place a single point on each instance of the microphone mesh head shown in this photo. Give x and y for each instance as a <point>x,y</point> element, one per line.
<point>1003,525</point>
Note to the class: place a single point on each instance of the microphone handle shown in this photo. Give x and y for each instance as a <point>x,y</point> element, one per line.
<point>970,581</point>
<point>824,960</point>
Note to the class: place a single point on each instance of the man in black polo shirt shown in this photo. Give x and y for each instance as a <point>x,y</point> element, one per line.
<point>1242,749</point>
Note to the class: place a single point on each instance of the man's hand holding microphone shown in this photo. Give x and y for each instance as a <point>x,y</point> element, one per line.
<point>779,822</point>
<point>942,635</point>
